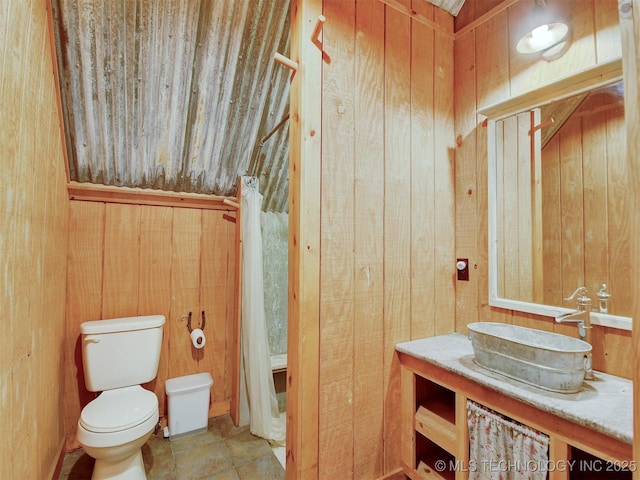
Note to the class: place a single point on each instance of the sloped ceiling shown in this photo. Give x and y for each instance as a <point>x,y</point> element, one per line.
<point>174,95</point>
<point>451,6</point>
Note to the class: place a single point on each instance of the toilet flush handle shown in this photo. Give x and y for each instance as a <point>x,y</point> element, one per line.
<point>90,339</point>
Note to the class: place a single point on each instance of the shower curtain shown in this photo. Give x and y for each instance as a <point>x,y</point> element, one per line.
<point>502,449</point>
<point>258,396</point>
<point>275,251</point>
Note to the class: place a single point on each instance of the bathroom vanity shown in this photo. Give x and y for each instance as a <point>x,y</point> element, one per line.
<point>590,432</point>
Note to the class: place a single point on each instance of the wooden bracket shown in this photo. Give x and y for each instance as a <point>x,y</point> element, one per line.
<point>316,31</point>
<point>231,203</point>
<point>287,62</point>
<point>546,123</point>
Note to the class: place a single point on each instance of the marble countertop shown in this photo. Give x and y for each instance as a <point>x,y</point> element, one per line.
<point>604,404</point>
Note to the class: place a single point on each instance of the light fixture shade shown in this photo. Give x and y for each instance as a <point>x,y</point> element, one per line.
<point>542,30</point>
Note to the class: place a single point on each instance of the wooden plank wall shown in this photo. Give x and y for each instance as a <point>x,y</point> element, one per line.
<point>589,149</point>
<point>516,259</point>
<point>33,243</point>
<point>489,70</point>
<point>387,219</point>
<point>127,260</point>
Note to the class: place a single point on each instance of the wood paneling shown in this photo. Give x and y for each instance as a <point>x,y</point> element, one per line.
<point>84,302</point>
<point>336,416</point>
<point>585,181</point>
<point>467,179</point>
<point>127,260</point>
<point>386,209</point>
<point>368,239</point>
<point>444,177</point>
<point>501,73</point>
<point>423,180</point>
<point>33,243</point>
<point>397,218</point>
<point>515,248</point>
<point>154,286</point>
<point>472,10</point>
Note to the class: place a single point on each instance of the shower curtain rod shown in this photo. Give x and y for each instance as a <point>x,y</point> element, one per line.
<point>275,129</point>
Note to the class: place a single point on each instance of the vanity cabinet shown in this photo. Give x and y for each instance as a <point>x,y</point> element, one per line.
<point>435,441</point>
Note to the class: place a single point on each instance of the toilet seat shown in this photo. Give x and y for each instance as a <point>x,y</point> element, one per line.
<point>118,416</point>
<point>119,409</point>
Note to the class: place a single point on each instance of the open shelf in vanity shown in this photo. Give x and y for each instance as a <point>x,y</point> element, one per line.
<point>435,427</point>
<point>432,448</point>
<point>435,441</point>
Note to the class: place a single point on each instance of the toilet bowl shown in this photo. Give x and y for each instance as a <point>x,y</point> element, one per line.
<point>119,355</point>
<point>112,429</point>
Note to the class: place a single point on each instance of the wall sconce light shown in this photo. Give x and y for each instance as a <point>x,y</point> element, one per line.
<point>544,32</point>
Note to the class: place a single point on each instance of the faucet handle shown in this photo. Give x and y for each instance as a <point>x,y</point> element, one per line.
<point>580,296</point>
<point>602,293</point>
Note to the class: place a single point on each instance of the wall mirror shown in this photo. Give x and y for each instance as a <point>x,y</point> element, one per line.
<point>558,199</point>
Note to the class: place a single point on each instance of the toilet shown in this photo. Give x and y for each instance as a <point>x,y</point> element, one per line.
<point>118,356</point>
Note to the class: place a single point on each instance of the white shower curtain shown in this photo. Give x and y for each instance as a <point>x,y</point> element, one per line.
<point>258,396</point>
<point>275,250</point>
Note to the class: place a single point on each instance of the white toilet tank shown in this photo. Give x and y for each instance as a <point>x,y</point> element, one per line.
<point>121,352</point>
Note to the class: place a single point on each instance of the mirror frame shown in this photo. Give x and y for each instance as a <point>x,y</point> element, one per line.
<point>581,82</point>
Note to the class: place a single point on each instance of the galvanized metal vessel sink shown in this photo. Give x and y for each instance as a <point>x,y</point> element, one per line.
<point>544,359</point>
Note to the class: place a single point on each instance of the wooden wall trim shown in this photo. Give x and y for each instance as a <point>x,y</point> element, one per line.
<point>598,75</point>
<point>90,192</point>
<point>56,468</point>
<point>417,16</point>
<point>234,407</point>
<point>485,17</point>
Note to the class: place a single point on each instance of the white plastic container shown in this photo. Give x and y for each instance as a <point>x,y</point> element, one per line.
<point>188,399</point>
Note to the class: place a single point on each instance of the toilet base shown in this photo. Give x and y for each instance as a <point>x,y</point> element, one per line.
<point>130,468</point>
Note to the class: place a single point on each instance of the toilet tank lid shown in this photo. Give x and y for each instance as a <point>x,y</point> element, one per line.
<point>188,383</point>
<point>125,324</point>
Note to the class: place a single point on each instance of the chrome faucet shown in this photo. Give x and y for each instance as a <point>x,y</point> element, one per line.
<point>603,299</point>
<point>582,317</point>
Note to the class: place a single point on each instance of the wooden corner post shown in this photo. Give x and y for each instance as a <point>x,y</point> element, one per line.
<point>304,243</point>
<point>629,11</point>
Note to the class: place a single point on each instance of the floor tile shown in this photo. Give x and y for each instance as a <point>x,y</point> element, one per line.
<point>76,466</point>
<point>244,447</point>
<point>223,452</point>
<point>265,467</point>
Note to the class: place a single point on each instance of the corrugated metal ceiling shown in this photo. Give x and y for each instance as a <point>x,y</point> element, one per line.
<point>451,6</point>
<point>175,95</point>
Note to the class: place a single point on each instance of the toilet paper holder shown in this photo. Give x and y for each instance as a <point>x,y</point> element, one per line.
<point>201,327</point>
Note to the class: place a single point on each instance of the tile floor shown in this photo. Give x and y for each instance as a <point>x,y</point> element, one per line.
<point>224,452</point>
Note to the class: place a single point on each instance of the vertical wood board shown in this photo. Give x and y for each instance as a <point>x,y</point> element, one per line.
<point>336,415</point>
<point>154,287</point>
<point>185,288</point>
<point>423,181</point>
<point>368,425</point>
<point>305,134</point>
<point>121,261</point>
<point>444,173</point>
<point>214,281</point>
<point>397,219</point>
<point>467,178</point>
<point>84,301</point>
